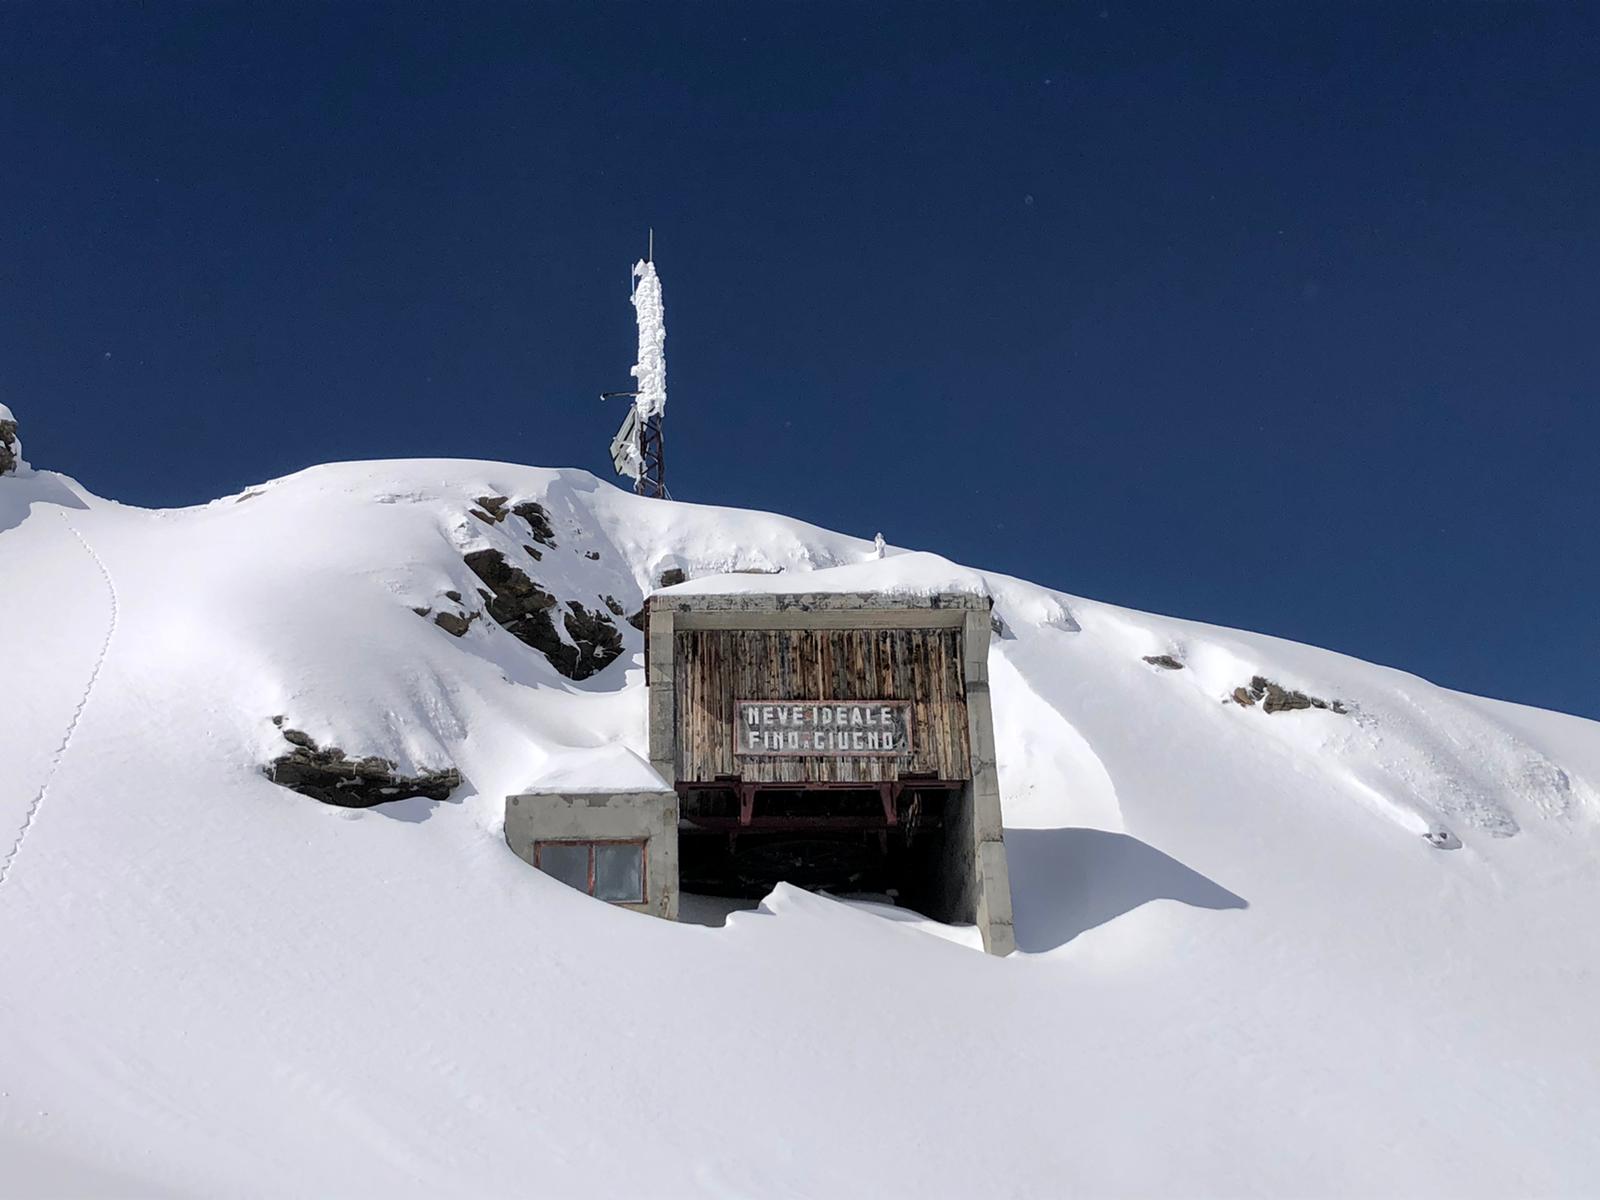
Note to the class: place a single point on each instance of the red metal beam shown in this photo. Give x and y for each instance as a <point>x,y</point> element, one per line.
<point>768,824</point>
<point>732,786</point>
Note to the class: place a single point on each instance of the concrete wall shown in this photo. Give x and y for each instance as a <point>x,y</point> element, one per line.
<point>661,677</point>
<point>991,874</point>
<point>598,816</point>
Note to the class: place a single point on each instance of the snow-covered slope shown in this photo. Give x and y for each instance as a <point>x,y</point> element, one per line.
<point>1301,952</point>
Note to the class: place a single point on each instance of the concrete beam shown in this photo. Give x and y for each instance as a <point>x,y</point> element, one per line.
<point>819,601</point>
<point>819,610</point>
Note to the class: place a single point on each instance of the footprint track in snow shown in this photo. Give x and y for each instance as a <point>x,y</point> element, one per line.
<point>37,803</point>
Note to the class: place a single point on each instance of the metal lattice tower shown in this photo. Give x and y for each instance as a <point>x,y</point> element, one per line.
<point>652,480</point>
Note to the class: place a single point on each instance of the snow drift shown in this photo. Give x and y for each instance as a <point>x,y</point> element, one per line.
<point>1301,951</point>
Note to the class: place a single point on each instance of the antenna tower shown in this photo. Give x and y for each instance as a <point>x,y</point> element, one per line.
<point>639,448</point>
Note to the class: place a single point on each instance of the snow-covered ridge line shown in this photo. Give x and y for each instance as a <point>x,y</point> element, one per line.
<point>609,549</point>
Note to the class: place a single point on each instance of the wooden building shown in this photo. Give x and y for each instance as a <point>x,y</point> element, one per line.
<point>841,741</point>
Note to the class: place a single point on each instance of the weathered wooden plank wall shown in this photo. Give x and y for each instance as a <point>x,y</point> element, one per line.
<point>716,667</point>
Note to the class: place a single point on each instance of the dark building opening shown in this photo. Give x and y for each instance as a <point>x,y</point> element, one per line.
<point>741,840</point>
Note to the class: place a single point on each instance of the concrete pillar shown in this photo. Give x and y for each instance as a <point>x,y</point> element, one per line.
<point>993,879</point>
<point>661,671</point>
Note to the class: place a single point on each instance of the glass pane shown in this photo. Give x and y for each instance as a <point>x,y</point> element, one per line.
<point>619,872</point>
<point>567,861</point>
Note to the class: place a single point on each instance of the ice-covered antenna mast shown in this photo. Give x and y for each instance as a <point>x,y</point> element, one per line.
<point>639,449</point>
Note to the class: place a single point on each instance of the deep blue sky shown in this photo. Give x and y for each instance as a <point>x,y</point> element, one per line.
<point>1284,316</point>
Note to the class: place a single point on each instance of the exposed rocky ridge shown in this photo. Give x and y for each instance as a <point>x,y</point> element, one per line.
<point>331,776</point>
<point>493,510</point>
<point>599,640</point>
<point>523,609</point>
<point>1274,698</point>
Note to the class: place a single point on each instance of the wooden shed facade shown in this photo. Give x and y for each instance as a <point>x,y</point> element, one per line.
<point>804,731</point>
<point>715,668</point>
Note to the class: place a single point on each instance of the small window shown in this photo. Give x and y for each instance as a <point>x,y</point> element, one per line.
<point>612,871</point>
<point>619,872</point>
<point>567,861</point>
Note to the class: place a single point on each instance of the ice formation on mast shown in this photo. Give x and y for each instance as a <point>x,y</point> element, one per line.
<point>638,450</point>
<point>647,460</point>
<point>651,369</point>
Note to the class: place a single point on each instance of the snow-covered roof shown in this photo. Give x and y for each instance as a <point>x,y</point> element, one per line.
<point>917,574</point>
<point>608,768</point>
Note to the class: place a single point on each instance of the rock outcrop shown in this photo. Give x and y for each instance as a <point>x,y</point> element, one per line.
<point>524,610</point>
<point>491,510</point>
<point>1275,698</point>
<point>1165,661</point>
<point>10,443</point>
<point>455,624</point>
<point>538,521</point>
<point>598,639</point>
<point>332,777</point>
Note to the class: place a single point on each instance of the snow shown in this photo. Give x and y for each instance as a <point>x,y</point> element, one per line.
<point>609,768</point>
<point>912,573</point>
<point>651,369</point>
<point>1243,971</point>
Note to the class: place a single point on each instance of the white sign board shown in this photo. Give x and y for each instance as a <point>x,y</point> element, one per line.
<point>826,729</point>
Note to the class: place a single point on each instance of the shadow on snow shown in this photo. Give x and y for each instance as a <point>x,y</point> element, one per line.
<point>19,493</point>
<point>1067,881</point>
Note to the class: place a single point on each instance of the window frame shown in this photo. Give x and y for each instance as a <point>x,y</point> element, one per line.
<point>590,844</point>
